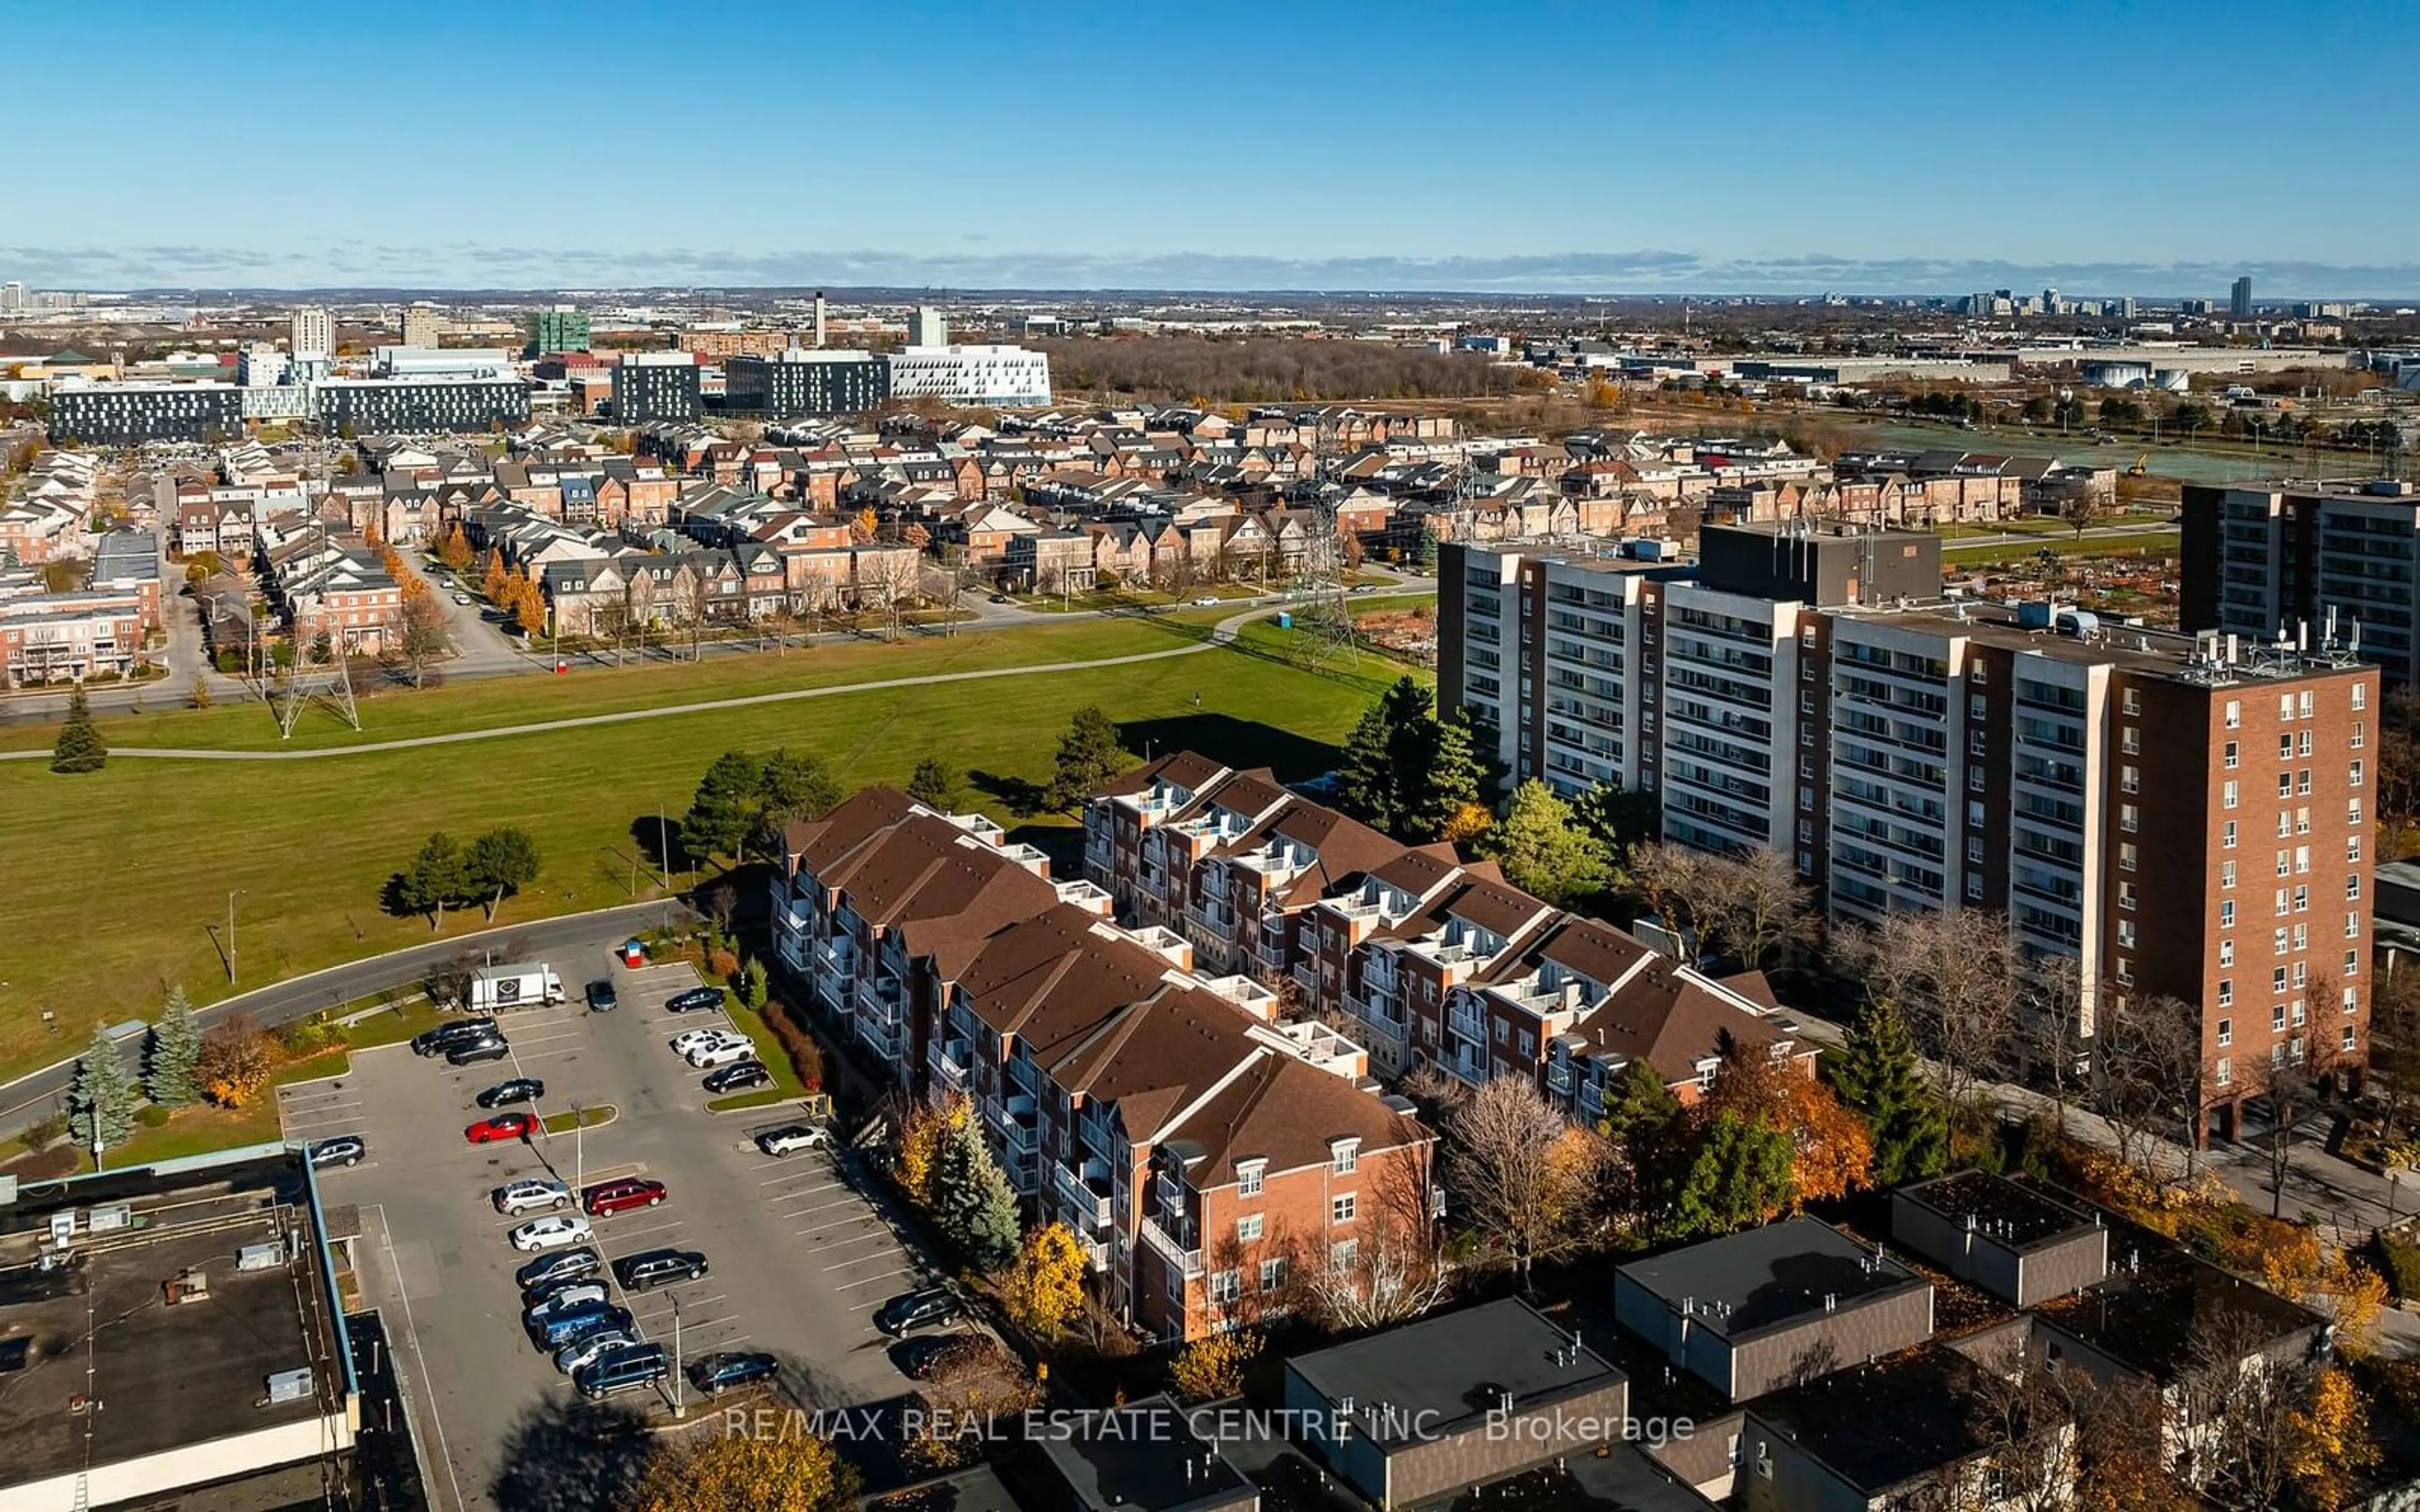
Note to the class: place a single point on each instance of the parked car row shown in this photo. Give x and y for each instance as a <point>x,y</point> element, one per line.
<point>467,1041</point>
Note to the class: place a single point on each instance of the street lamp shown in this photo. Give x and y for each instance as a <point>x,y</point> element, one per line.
<point>680,1397</point>
<point>232,895</point>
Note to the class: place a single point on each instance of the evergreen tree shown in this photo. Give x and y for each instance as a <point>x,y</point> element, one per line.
<point>1407,771</point>
<point>79,747</point>
<point>1365,780</point>
<point>1620,817</point>
<point>1544,851</point>
<point>499,864</point>
<point>101,1099</point>
<point>1088,756</point>
<point>793,786</point>
<point>973,1199</point>
<point>1739,1176</point>
<point>933,784</point>
<point>1449,776</point>
<point>172,1075</point>
<point>436,878</point>
<point>1879,1076</point>
<point>721,815</point>
<point>1641,1119</point>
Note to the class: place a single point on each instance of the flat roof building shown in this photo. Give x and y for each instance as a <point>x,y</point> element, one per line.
<point>1760,1309</point>
<point>1454,1400</point>
<point>1146,1456</point>
<point>168,1328</point>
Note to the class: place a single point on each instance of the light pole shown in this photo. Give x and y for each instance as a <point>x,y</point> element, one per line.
<point>680,1397</point>
<point>578,1149</point>
<point>232,895</point>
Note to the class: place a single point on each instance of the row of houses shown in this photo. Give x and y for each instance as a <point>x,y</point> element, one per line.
<point>103,626</point>
<point>321,584</point>
<point>49,516</point>
<point>1196,1142</point>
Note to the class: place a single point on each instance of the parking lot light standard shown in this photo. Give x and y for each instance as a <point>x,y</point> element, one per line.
<point>680,1397</point>
<point>579,1147</point>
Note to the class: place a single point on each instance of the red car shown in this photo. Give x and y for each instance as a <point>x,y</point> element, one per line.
<point>503,1126</point>
<point>606,1197</point>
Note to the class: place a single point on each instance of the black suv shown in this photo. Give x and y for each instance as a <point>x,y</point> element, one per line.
<point>694,1000</point>
<point>652,1268</point>
<point>912,1310</point>
<point>445,1037</point>
<point>601,998</point>
<point>472,1052</point>
<point>738,1077</point>
<point>726,1368</point>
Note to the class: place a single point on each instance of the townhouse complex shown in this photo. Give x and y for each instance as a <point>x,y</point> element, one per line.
<point>2123,795</point>
<point>2283,562</point>
<point>1184,1055</point>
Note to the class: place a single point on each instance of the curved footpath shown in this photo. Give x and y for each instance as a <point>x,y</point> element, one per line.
<point>33,1096</point>
<point>1220,634</point>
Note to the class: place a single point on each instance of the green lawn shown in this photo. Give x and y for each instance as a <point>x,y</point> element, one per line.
<point>121,876</point>
<point>2150,543</point>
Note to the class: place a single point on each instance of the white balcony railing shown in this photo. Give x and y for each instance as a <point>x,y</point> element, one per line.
<point>1469,1022</point>
<point>1186,1262</point>
<point>1558,1079</point>
<point>1090,1207</point>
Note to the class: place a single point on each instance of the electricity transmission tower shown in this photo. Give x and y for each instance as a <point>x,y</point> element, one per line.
<point>331,685</point>
<point>1326,613</point>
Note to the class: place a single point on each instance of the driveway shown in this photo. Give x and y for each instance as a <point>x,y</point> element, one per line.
<point>481,648</point>
<point>799,1254</point>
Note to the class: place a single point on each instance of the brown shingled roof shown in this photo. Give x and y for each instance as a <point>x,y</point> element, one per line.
<point>1285,1112</point>
<point>1671,1022</point>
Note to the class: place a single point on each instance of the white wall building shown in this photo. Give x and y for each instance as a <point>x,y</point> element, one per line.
<point>928,326</point>
<point>1004,376</point>
<point>313,332</point>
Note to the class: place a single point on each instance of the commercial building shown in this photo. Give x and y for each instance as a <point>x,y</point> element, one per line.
<point>801,383</point>
<point>125,414</point>
<point>2118,792</point>
<point>2239,298</point>
<point>654,386</point>
<point>991,376</point>
<point>2277,561</point>
<point>175,1328</point>
<point>442,362</point>
<point>1138,1456</point>
<point>369,407</point>
<point>313,333</point>
<point>562,328</point>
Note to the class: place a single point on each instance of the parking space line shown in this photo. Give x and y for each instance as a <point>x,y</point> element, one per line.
<point>621,1234</point>
<point>857,1239</point>
<point>795,1173</point>
<point>862,1217</point>
<point>850,1286</point>
<point>808,1191</point>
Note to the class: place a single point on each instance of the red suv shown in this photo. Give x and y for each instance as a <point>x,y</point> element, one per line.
<point>608,1197</point>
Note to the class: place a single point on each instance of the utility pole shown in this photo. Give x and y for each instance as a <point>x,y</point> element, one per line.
<point>232,895</point>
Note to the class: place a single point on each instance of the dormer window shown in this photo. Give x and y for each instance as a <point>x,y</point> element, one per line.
<point>1345,1155</point>
<point>1248,1174</point>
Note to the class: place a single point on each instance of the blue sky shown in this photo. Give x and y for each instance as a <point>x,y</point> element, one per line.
<point>1853,144</point>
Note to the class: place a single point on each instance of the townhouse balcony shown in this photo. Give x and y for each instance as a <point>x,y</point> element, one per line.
<point>1593,1097</point>
<point>1097,1253</point>
<point>793,918</point>
<point>887,1041</point>
<point>1021,1126</point>
<point>1467,1022</point>
<point>1093,1134</point>
<point>1466,1063</point>
<point>1085,1195</point>
<point>1559,1078</point>
<point>794,952</point>
<point>1213,914</point>
<point>952,1062</point>
<point>1184,1259</point>
<point>882,999</point>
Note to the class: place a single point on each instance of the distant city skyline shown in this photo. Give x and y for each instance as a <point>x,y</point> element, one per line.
<point>1489,149</point>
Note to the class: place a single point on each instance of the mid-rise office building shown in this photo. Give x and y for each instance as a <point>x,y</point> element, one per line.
<point>2271,562</point>
<point>562,328</point>
<point>313,333</point>
<point>801,383</point>
<point>125,414</point>
<point>653,386</point>
<point>369,407</point>
<point>992,376</point>
<point>2239,298</point>
<point>2122,795</point>
<point>928,326</point>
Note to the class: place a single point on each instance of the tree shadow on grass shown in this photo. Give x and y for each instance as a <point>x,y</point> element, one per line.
<point>1019,795</point>
<point>658,839</point>
<point>572,1455</point>
<point>1231,742</point>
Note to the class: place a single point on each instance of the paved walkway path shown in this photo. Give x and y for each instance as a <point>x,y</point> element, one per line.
<point>1222,633</point>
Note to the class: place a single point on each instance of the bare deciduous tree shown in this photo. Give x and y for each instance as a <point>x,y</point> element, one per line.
<point>1759,906</point>
<point>2150,1078</point>
<point>2053,1034</point>
<point>1397,1269</point>
<point>1954,975</point>
<point>1511,1176</point>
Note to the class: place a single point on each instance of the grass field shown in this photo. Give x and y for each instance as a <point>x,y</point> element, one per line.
<point>2149,544</point>
<point>119,880</point>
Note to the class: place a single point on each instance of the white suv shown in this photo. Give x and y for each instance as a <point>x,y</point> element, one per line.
<point>530,1193</point>
<point>692,1041</point>
<point>720,1052</point>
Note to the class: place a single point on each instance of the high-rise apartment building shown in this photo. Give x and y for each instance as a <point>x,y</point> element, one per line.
<point>562,328</point>
<point>313,334</point>
<point>928,326</point>
<point>801,382</point>
<point>424,325</point>
<point>2122,795</point>
<point>12,298</point>
<point>2239,298</point>
<point>2272,561</point>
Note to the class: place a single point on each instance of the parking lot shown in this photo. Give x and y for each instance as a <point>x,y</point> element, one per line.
<point>799,1257</point>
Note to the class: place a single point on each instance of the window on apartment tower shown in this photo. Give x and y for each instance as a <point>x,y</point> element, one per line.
<point>2353,886</point>
<point>2224,1071</point>
<point>2352,925</point>
<point>2227,835</point>
<point>2226,913</point>
<point>2351,1001</point>
<point>1273,1272</point>
<point>2285,785</point>
<point>2303,700</point>
<point>1247,1180</point>
<point>2132,700</point>
<point>2234,714</point>
<point>1341,1208</point>
<point>1225,1287</point>
<point>2354,774</point>
<point>2231,794</point>
<point>2360,695</point>
<point>2286,746</point>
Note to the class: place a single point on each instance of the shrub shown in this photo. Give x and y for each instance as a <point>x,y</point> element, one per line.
<point>721,963</point>
<point>236,1063</point>
<point>46,1130</point>
<point>151,1116</point>
<point>2401,1260</point>
<point>307,1037</point>
<point>806,1056</point>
